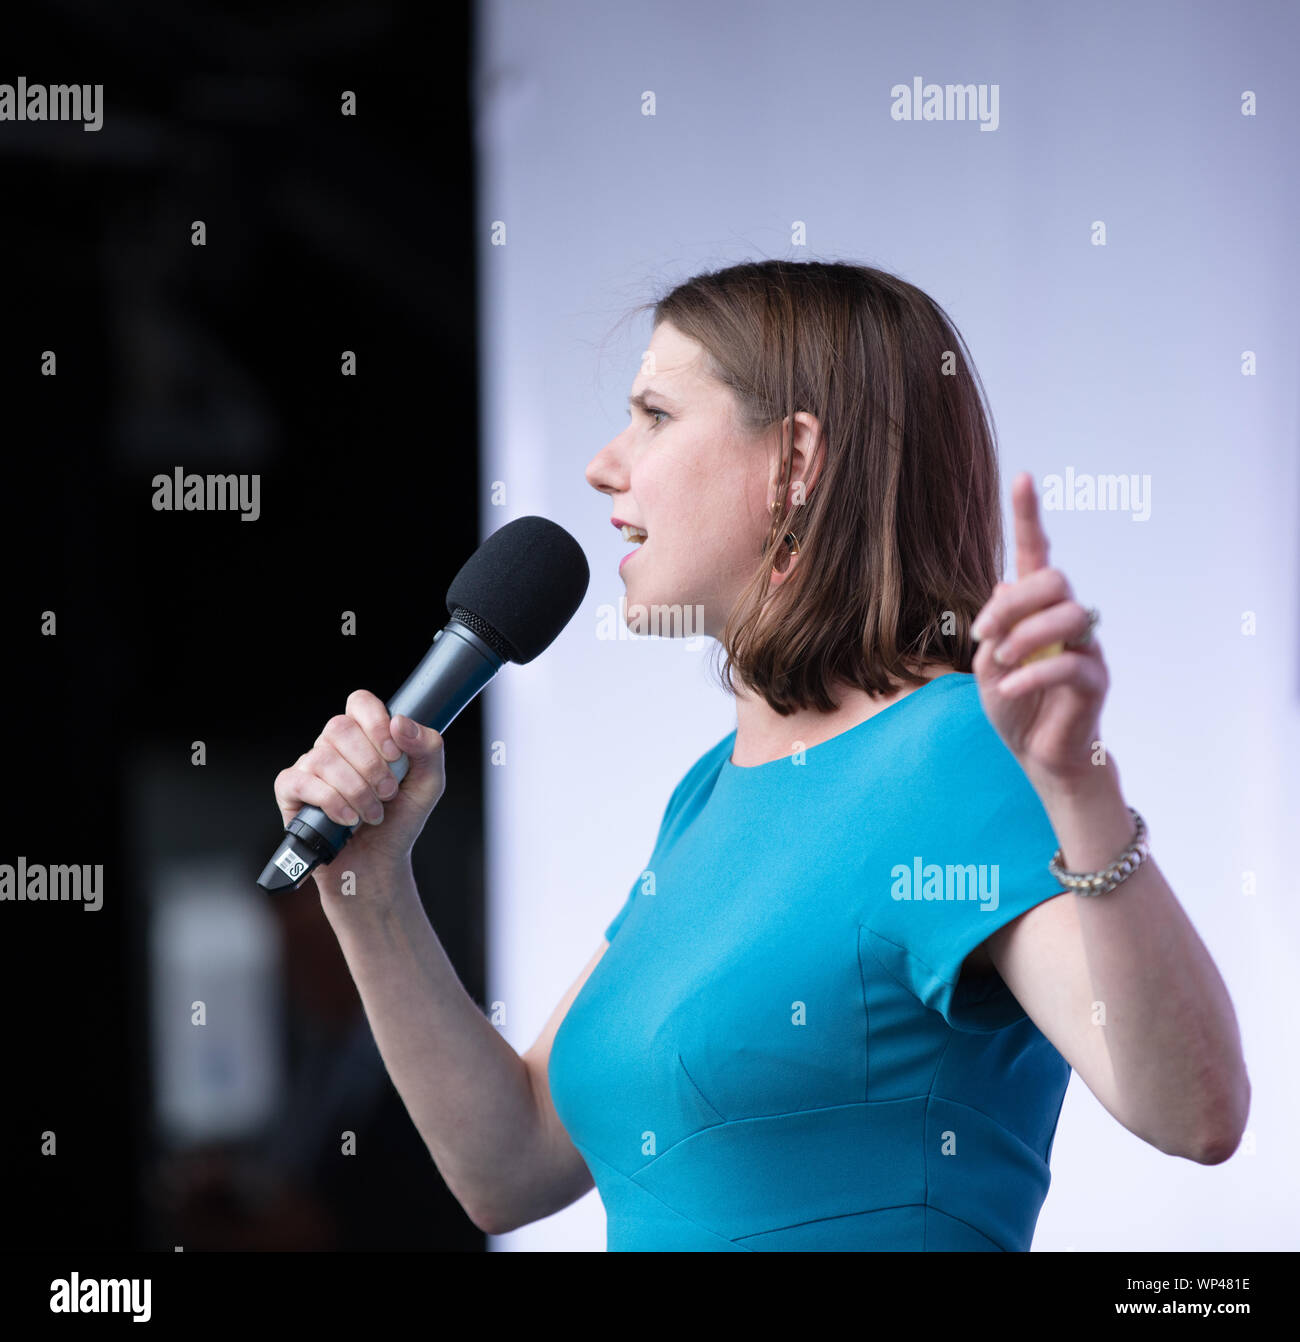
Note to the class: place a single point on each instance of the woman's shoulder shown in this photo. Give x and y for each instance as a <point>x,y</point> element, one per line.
<point>700,775</point>
<point>963,748</point>
<point>948,723</point>
<point>956,696</point>
<point>949,700</point>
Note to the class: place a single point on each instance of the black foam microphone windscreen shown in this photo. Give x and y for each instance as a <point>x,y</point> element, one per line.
<point>522,585</point>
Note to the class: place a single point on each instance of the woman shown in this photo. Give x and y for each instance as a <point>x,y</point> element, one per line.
<point>839,1007</point>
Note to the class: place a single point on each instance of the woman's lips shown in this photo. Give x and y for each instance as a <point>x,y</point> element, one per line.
<point>630,533</point>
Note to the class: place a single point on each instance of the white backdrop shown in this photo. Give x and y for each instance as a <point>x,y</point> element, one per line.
<point>1166,353</point>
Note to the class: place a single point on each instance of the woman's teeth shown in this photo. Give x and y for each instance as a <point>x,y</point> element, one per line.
<point>633,533</point>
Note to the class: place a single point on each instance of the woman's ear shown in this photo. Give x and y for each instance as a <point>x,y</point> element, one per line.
<point>806,464</point>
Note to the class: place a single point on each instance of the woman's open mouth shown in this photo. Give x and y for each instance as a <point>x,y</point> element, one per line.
<point>631,533</point>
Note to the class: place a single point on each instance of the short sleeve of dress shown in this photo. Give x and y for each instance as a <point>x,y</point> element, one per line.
<point>979,860</point>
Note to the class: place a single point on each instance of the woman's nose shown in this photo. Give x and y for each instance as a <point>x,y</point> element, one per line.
<point>603,469</point>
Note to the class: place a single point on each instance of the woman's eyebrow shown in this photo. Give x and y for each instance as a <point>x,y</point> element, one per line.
<point>640,399</point>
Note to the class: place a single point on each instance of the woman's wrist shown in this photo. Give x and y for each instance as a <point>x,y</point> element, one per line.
<point>1090,818</point>
<point>362,889</point>
<point>1089,782</point>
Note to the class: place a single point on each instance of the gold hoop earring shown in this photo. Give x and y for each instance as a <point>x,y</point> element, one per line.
<point>791,549</point>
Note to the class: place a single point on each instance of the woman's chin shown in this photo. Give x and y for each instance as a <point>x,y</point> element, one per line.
<point>662,615</point>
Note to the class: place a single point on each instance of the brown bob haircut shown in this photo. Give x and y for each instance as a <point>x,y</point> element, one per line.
<point>900,534</point>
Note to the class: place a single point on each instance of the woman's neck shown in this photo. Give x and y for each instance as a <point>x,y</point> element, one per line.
<point>763,735</point>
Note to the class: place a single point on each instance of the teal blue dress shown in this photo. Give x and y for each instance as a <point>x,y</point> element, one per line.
<point>778,1050</point>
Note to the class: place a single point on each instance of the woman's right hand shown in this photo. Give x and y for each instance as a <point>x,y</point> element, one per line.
<point>346,773</point>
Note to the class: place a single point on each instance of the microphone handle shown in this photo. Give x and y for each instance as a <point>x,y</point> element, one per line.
<point>457,667</point>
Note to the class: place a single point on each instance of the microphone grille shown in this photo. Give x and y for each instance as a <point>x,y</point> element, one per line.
<point>477,625</point>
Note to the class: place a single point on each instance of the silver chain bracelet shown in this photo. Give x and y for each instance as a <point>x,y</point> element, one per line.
<point>1099,882</point>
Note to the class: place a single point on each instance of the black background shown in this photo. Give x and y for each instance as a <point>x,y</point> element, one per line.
<point>325,233</point>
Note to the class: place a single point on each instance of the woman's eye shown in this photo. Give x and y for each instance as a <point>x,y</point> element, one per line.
<point>650,410</point>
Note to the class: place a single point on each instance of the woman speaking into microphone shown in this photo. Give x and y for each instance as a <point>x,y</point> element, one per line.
<point>887,915</point>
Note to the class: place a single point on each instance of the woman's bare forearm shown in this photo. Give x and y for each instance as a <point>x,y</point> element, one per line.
<point>468,1092</point>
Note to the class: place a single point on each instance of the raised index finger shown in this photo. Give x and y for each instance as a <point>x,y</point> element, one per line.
<point>1031,539</point>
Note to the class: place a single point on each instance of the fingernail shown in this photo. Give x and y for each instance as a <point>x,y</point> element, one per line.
<point>389,750</point>
<point>350,817</point>
<point>406,728</point>
<point>999,656</point>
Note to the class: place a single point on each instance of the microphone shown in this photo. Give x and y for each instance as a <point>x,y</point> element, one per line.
<point>508,603</point>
